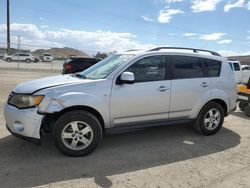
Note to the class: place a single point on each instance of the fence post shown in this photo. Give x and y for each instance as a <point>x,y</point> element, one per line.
<point>18,50</point>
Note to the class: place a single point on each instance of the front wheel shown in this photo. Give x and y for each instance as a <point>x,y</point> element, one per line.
<point>210,119</point>
<point>77,133</point>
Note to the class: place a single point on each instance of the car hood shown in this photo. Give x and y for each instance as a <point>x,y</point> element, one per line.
<point>44,83</point>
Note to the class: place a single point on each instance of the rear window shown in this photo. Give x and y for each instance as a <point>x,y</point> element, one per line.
<point>236,66</point>
<point>213,67</point>
<point>186,67</point>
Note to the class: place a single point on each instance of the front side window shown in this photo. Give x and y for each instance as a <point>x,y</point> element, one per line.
<point>186,67</point>
<point>149,69</point>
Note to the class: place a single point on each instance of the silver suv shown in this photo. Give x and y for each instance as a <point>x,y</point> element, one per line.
<point>19,57</point>
<point>125,91</point>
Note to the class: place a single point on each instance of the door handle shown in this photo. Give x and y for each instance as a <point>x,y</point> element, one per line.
<point>204,84</point>
<point>162,88</point>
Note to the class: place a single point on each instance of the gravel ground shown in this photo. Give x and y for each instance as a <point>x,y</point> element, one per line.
<point>171,156</point>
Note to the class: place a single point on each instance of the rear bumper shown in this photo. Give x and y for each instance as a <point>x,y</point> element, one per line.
<point>243,97</point>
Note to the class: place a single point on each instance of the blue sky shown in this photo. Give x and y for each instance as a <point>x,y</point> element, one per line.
<point>122,24</point>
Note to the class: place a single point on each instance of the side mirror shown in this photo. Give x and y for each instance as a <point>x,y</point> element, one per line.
<point>127,78</point>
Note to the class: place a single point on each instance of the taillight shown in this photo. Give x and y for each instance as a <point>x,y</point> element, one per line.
<point>69,66</point>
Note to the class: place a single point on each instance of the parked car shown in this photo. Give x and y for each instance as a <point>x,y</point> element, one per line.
<point>77,64</point>
<point>126,91</point>
<point>242,76</point>
<point>47,57</point>
<point>28,58</point>
<point>245,67</point>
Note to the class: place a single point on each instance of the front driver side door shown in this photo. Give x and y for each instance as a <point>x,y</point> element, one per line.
<point>148,98</point>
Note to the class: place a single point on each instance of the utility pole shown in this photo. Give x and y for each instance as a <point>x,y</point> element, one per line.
<point>18,49</point>
<point>8,26</point>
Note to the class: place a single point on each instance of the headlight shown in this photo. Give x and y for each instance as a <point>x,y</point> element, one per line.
<point>25,101</point>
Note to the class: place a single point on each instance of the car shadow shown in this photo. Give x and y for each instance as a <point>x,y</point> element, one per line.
<point>26,165</point>
<point>240,114</point>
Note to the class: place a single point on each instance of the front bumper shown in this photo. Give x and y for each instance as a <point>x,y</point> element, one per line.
<point>29,139</point>
<point>23,122</point>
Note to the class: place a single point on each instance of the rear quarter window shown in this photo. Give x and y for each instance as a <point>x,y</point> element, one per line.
<point>236,66</point>
<point>213,67</point>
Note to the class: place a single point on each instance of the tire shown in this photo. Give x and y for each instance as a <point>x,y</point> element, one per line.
<point>242,105</point>
<point>27,60</point>
<point>9,60</point>
<point>247,110</point>
<point>213,114</point>
<point>85,139</point>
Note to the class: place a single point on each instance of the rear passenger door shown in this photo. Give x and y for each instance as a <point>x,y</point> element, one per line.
<point>190,86</point>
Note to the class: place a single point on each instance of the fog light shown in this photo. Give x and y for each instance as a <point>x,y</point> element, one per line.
<point>18,126</point>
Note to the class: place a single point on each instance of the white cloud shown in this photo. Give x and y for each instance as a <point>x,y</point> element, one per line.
<point>80,39</point>
<point>236,4</point>
<point>227,53</point>
<point>28,30</point>
<point>41,18</point>
<point>172,1</point>
<point>44,26</point>
<point>226,41</point>
<point>165,15</point>
<point>147,19</point>
<point>212,36</point>
<point>189,34</point>
<point>248,5</point>
<point>204,5</point>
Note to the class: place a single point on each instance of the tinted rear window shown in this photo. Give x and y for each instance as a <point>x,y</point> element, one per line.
<point>213,67</point>
<point>187,67</point>
<point>236,66</point>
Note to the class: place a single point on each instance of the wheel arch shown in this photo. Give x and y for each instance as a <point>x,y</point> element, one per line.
<point>50,118</point>
<point>221,102</point>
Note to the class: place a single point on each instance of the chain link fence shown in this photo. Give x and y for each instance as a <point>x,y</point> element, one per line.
<point>32,57</point>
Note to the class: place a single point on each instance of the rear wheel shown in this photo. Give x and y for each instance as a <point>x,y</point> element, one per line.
<point>9,60</point>
<point>77,133</point>
<point>210,119</point>
<point>242,105</point>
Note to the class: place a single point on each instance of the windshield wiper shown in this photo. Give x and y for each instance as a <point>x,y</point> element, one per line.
<point>80,76</point>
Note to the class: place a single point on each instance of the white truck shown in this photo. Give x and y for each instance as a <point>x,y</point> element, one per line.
<point>47,57</point>
<point>241,75</point>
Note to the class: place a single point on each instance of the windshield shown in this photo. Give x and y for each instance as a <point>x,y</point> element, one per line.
<point>105,67</point>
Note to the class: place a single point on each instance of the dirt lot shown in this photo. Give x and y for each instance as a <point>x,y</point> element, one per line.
<point>171,156</point>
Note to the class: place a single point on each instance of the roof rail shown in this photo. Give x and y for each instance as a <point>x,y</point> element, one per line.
<point>195,50</point>
<point>133,50</point>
